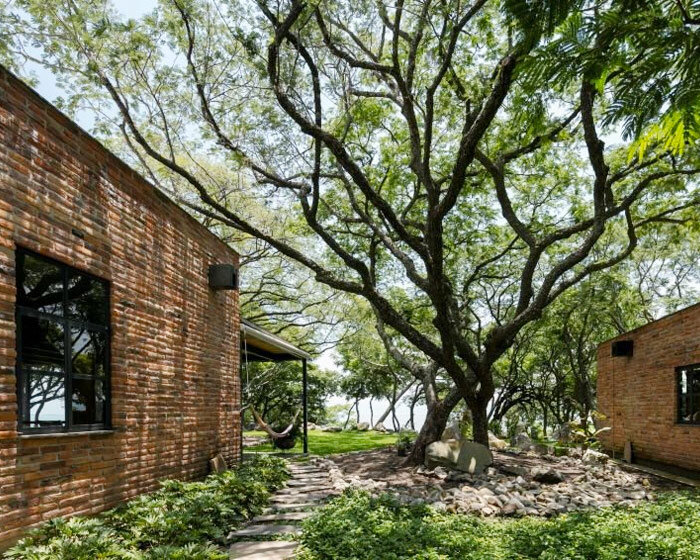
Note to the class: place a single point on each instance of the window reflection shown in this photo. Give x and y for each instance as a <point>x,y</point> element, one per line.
<point>100,399</point>
<point>689,395</point>
<point>42,345</point>
<point>46,399</point>
<point>63,335</point>
<point>83,402</point>
<point>88,352</point>
<point>87,299</point>
<point>42,286</point>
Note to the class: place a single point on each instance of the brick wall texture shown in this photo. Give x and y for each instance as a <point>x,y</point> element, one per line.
<point>638,395</point>
<point>175,342</point>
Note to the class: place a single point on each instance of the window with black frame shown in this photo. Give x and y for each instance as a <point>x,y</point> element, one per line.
<point>688,380</point>
<point>62,347</point>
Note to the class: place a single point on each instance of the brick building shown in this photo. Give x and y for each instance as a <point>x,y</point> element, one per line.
<point>119,364</point>
<point>649,390</point>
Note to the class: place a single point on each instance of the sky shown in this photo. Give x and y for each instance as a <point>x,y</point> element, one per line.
<point>49,89</point>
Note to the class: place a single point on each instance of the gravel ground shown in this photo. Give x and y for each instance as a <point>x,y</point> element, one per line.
<point>516,484</point>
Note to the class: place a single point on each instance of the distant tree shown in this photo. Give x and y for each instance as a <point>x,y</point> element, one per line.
<point>371,373</point>
<point>275,391</point>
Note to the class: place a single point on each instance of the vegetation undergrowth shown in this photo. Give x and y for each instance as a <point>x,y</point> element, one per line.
<point>329,443</point>
<point>181,521</point>
<point>357,527</point>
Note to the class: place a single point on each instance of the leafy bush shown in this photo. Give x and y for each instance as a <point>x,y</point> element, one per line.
<point>271,471</point>
<point>357,527</point>
<point>406,437</point>
<point>76,538</point>
<point>190,551</point>
<point>181,521</point>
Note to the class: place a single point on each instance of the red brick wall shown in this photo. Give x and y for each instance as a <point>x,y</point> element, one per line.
<point>638,394</point>
<point>175,358</point>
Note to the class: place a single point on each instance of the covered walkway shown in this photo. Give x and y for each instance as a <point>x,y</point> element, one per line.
<point>260,345</point>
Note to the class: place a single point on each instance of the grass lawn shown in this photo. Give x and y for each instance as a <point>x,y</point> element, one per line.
<point>327,443</point>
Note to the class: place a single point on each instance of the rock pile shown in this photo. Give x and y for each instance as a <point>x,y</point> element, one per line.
<point>543,490</point>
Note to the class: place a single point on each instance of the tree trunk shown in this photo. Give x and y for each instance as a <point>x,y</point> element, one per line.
<point>395,399</point>
<point>435,422</point>
<point>480,423</point>
<point>392,404</point>
<point>371,413</point>
<point>412,410</point>
<point>545,421</point>
<point>347,420</point>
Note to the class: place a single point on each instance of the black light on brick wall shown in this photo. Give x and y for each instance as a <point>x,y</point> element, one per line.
<point>223,277</point>
<point>622,348</point>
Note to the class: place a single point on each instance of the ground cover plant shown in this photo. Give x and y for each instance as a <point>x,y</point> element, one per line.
<point>329,443</point>
<point>357,527</point>
<point>181,521</point>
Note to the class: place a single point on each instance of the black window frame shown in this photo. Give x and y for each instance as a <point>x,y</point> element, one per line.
<point>694,371</point>
<point>67,322</point>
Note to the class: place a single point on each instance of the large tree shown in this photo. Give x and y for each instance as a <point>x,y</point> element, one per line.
<point>446,158</point>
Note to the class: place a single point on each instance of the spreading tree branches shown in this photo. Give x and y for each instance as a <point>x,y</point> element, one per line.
<point>455,164</point>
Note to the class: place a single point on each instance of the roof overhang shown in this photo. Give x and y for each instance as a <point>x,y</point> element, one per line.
<point>259,345</point>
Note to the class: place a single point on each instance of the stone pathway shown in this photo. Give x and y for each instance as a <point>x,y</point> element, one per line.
<point>308,487</point>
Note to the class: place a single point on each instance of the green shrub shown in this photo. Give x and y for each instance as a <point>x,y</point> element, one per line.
<point>358,527</point>
<point>271,471</point>
<point>76,538</point>
<point>406,437</point>
<point>188,552</point>
<point>181,513</point>
<point>182,520</point>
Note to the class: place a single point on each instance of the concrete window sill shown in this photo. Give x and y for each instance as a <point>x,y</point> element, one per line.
<point>66,434</point>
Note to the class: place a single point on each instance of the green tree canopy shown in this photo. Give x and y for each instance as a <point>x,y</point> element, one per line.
<point>456,165</point>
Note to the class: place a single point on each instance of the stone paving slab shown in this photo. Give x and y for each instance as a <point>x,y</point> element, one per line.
<point>265,530</point>
<point>304,490</point>
<point>296,498</point>
<point>303,483</point>
<point>303,478</point>
<point>310,479</point>
<point>307,489</point>
<point>277,517</point>
<point>296,506</point>
<point>262,550</point>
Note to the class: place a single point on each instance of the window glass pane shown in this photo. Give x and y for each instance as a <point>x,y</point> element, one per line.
<point>88,352</point>
<point>99,400</point>
<point>42,285</point>
<point>683,383</point>
<point>42,345</point>
<point>47,404</point>
<point>695,382</point>
<point>83,401</point>
<point>87,298</point>
<point>683,409</point>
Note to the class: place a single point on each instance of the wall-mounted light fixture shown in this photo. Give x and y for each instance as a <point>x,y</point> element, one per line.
<point>622,348</point>
<point>223,277</point>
